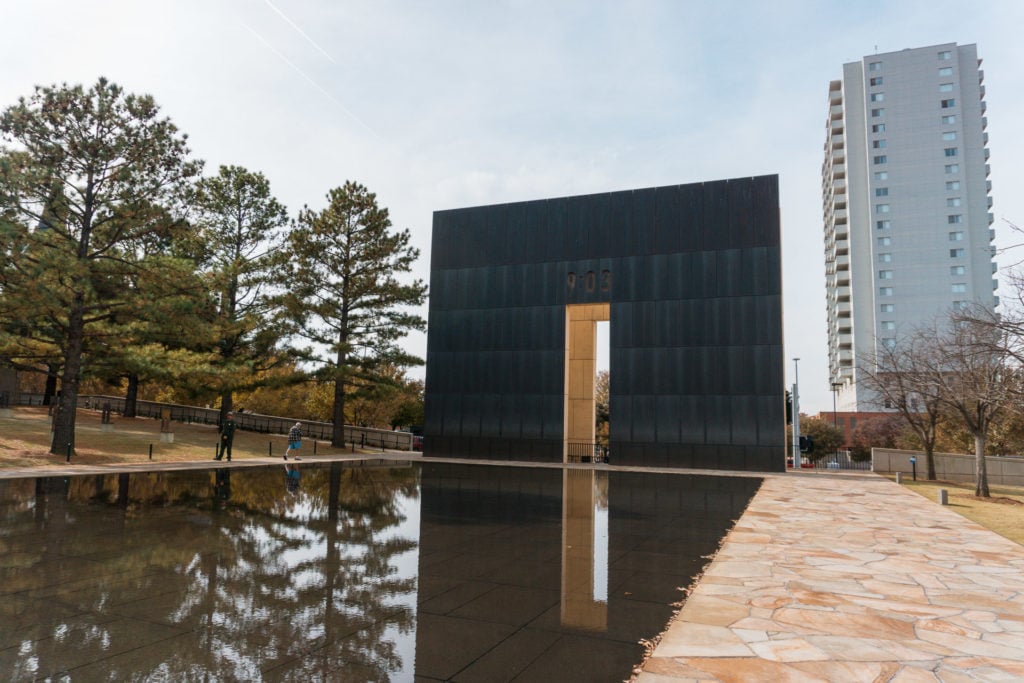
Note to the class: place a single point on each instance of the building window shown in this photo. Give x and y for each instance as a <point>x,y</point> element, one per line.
<point>958,270</point>
<point>952,168</point>
<point>885,258</point>
<point>948,104</point>
<point>885,275</point>
<point>875,80</point>
<point>889,343</point>
<point>957,236</point>
<point>956,253</point>
<point>959,288</point>
<point>878,144</point>
<point>945,56</point>
<point>881,208</point>
<point>878,97</point>
<point>946,71</point>
<point>883,225</point>
<point>960,305</point>
<point>949,120</point>
<point>888,325</point>
<point>949,135</point>
<point>878,128</point>
<point>885,291</point>
<point>953,201</point>
<point>884,241</point>
<point>946,87</point>
<point>952,184</point>
<point>950,151</point>
<point>881,159</point>
<point>874,66</point>
<point>875,113</point>
<point>881,191</point>
<point>888,308</point>
<point>881,175</point>
<point>955,218</point>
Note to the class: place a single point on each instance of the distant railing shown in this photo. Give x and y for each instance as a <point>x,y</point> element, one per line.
<point>364,437</point>
<point>840,460</point>
<point>584,451</point>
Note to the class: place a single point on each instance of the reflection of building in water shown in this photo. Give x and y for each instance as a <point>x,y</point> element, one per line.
<point>585,549</point>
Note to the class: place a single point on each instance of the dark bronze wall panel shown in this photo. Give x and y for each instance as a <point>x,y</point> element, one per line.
<point>693,277</point>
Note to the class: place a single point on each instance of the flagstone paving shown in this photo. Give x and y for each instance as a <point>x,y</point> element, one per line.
<point>850,578</point>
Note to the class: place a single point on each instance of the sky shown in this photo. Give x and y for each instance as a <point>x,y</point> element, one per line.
<point>443,104</point>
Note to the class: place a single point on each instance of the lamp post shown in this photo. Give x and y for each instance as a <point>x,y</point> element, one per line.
<point>796,413</point>
<point>835,419</point>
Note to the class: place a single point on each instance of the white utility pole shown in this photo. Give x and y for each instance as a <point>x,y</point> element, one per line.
<point>796,413</point>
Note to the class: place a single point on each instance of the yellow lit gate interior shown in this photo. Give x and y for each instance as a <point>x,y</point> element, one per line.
<point>580,373</point>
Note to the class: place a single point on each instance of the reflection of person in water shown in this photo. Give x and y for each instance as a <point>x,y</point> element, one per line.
<point>222,485</point>
<point>291,478</point>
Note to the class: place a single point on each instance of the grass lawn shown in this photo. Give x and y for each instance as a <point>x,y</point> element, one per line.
<point>1003,513</point>
<point>25,441</point>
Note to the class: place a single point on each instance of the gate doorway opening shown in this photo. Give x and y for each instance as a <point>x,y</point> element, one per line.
<point>581,365</point>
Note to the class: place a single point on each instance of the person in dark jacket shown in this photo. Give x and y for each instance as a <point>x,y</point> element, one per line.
<point>227,436</point>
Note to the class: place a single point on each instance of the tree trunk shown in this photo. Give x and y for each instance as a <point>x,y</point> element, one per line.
<point>929,459</point>
<point>338,415</point>
<point>227,402</point>
<point>50,389</point>
<point>64,420</point>
<point>131,396</point>
<point>981,472</point>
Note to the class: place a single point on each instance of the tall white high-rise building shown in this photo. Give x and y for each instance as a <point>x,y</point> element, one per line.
<point>907,211</point>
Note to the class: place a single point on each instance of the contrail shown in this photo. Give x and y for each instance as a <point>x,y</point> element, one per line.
<point>309,80</point>
<point>301,32</point>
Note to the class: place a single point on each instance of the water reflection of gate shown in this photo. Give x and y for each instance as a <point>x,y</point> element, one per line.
<point>585,549</point>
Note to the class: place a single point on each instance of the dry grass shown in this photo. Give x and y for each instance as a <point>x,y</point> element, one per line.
<point>1003,513</point>
<point>25,441</point>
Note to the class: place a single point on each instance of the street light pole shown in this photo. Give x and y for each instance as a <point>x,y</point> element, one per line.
<point>796,413</point>
<point>835,420</point>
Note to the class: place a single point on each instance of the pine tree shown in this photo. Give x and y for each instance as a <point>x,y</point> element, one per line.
<point>344,294</point>
<point>88,175</point>
<point>240,221</point>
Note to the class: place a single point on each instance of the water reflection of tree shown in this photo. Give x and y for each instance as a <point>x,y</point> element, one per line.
<point>308,583</point>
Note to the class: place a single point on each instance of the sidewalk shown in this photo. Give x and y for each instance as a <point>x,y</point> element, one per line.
<point>838,578</point>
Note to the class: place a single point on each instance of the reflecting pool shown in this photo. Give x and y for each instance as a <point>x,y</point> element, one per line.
<point>362,571</point>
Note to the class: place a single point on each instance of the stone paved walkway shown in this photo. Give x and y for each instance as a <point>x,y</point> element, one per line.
<point>833,578</point>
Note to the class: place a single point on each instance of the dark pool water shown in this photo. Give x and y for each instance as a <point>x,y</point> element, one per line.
<point>349,572</point>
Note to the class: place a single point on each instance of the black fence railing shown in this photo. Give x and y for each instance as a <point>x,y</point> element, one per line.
<point>363,437</point>
<point>583,451</point>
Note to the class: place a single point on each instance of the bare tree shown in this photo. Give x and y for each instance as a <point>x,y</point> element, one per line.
<point>973,375</point>
<point>898,377</point>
